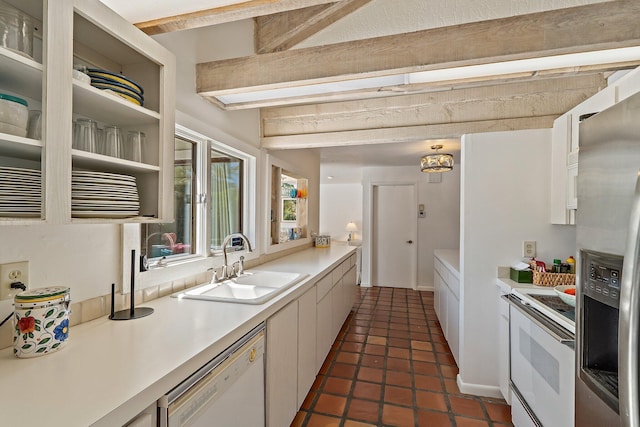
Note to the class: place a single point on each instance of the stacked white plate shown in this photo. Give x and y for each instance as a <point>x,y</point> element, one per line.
<point>103,195</point>
<point>20,192</point>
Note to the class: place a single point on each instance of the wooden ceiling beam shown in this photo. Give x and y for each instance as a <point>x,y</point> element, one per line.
<point>417,88</point>
<point>223,14</point>
<point>573,30</point>
<point>281,31</point>
<point>447,114</point>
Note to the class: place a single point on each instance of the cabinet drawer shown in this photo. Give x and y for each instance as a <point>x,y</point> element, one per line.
<point>336,274</point>
<point>323,287</point>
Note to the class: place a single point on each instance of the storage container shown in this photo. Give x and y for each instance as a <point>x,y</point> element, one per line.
<point>16,30</point>
<point>41,321</point>
<point>14,115</point>
<point>521,276</point>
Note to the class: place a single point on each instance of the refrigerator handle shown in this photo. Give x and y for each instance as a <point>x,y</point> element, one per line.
<point>628,325</point>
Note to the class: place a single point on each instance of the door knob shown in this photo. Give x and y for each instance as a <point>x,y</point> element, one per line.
<point>409,241</point>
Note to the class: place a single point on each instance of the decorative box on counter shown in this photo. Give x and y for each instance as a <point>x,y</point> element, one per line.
<point>323,241</point>
<point>521,276</point>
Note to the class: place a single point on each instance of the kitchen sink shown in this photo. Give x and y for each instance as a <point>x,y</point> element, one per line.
<point>251,287</point>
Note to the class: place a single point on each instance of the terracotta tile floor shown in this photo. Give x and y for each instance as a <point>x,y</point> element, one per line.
<point>391,366</point>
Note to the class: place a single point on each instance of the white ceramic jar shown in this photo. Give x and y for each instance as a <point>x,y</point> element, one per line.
<point>14,115</point>
<point>41,321</point>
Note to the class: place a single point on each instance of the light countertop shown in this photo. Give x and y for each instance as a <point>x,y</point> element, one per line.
<point>451,259</point>
<point>110,371</point>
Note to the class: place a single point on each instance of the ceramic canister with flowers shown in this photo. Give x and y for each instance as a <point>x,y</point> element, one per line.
<point>41,321</point>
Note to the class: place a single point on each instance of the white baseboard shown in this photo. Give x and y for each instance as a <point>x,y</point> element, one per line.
<point>479,389</point>
<point>428,288</point>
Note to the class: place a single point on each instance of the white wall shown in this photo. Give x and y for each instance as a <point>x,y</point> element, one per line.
<point>202,45</point>
<point>440,229</point>
<point>504,200</point>
<point>339,204</point>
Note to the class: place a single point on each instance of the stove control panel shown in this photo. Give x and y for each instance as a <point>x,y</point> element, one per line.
<point>601,277</point>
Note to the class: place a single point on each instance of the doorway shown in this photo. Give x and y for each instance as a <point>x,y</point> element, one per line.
<point>394,236</point>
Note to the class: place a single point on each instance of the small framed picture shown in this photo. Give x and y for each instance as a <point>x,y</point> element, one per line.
<point>289,210</point>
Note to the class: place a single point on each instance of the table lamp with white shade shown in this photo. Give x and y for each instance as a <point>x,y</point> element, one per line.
<point>351,227</point>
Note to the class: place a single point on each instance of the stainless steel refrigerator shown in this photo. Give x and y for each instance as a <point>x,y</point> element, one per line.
<point>608,242</point>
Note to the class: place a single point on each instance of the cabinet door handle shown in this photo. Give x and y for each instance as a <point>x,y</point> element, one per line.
<point>409,241</point>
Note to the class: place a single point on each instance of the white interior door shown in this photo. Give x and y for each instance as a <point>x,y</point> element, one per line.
<point>394,249</point>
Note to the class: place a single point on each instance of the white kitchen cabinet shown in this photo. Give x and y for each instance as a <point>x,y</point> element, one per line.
<point>453,325</point>
<point>335,298</point>
<point>565,139</point>
<point>324,315</point>
<point>503,348</point>
<point>87,32</point>
<point>598,102</point>
<point>560,145</point>
<point>447,295</point>
<point>324,330</point>
<point>337,308</point>
<point>282,366</point>
<point>349,285</point>
<point>307,312</point>
<point>299,338</point>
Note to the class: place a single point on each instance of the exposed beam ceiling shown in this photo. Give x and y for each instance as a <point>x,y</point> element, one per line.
<point>281,31</point>
<point>223,14</point>
<point>409,118</point>
<point>580,29</point>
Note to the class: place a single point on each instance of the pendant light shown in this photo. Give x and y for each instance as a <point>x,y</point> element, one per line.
<point>436,162</point>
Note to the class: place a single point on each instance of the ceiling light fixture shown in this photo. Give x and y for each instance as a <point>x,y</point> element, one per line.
<point>436,162</point>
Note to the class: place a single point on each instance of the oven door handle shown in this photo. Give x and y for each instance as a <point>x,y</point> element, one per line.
<point>540,321</point>
<point>628,321</point>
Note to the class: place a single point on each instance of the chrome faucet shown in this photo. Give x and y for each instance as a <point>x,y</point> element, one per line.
<point>229,271</point>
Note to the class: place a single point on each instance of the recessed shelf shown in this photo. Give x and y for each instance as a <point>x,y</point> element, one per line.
<point>17,146</point>
<point>99,162</point>
<point>20,74</point>
<point>108,108</point>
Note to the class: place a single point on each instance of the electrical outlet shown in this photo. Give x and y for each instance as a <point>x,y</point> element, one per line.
<point>10,273</point>
<point>529,248</point>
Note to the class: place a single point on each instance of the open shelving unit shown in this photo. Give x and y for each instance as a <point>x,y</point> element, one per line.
<point>86,32</point>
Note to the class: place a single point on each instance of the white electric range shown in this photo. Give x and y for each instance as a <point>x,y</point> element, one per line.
<point>542,342</point>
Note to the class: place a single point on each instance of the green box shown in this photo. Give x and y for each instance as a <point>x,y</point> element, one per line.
<point>521,276</point>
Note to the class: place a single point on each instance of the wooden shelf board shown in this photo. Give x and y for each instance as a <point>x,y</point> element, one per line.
<point>16,146</point>
<point>108,108</point>
<point>84,159</point>
<point>20,74</point>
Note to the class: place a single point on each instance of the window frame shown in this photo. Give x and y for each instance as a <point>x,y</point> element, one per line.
<point>201,225</point>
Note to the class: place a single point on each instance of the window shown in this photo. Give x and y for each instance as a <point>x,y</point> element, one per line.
<point>210,200</point>
<point>288,206</point>
<point>225,192</point>
<point>177,238</point>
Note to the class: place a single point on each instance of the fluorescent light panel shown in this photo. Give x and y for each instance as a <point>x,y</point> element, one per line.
<point>432,76</point>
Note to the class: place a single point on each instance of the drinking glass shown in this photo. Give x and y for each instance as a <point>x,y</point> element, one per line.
<point>113,141</point>
<point>34,126</point>
<point>133,149</point>
<point>85,135</point>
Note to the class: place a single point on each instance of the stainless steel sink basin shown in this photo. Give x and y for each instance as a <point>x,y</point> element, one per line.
<point>253,287</point>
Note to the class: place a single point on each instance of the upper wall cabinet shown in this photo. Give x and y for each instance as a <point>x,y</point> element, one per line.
<point>564,154</point>
<point>106,142</point>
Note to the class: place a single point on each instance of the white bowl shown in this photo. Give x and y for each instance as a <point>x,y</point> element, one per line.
<point>13,112</point>
<point>567,298</point>
<point>79,75</point>
<point>12,130</point>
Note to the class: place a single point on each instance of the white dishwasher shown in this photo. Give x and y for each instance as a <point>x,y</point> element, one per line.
<point>227,391</point>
